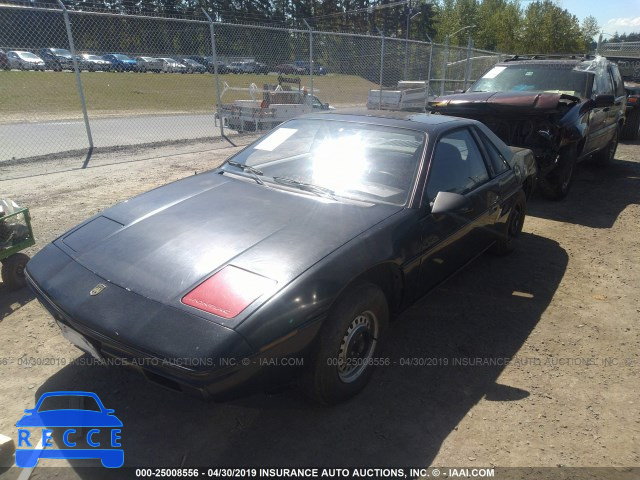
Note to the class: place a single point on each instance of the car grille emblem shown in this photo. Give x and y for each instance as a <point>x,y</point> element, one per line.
<point>97,289</point>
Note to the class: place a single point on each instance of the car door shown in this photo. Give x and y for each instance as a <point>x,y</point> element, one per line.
<point>600,121</point>
<point>449,240</point>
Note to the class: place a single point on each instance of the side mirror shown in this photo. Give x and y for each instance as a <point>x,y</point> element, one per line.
<point>603,101</point>
<point>449,202</point>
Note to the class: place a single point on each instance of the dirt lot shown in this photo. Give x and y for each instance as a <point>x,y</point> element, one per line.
<point>565,308</point>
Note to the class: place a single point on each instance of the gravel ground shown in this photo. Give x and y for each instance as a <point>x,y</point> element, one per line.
<point>564,308</point>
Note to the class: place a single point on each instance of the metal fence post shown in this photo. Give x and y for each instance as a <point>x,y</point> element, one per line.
<point>215,71</point>
<point>467,65</point>
<point>72,49</point>
<point>429,69</point>
<point>381,66</point>
<point>310,56</point>
<point>445,58</point>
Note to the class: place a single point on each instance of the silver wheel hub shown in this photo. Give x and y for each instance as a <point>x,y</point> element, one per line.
<point>357,347</point>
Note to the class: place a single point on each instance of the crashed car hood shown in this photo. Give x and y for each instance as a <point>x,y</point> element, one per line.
<point>165,242</point>
<point>522,102</point>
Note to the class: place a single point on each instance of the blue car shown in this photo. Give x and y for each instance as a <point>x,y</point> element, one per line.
<point>121,62</point>
<point>94,416</point>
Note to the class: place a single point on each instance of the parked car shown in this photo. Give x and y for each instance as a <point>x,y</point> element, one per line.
<point>261,68</point>
<point>192,66</point>
<point>56,59</point>
<point>631,130</point>
<point>170,65</point>
<point>317,68</point>
<point>289,69</point>
<point>120,62</point>
<point>92,63</point>
<point>208,63</point>
<point>23,60</point>
<point>565,109</point>
<point>322,230</point>
<point>149,64</point>
<point>4,61</point>
<point>241,67</point>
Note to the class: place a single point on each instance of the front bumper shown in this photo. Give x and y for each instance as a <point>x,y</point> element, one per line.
<point>170,347</point>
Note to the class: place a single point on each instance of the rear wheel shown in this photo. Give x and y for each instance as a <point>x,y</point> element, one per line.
<point>631,129</point>
<point>513,228</point>
<point>557,183</point>
<point>343,358</point>
<point>13,271</point>
<point>606,155</point>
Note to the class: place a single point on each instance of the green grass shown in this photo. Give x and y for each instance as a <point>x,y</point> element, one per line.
<point>29,96</point>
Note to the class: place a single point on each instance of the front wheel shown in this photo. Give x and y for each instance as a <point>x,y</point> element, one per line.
<point>557,183</point>
<point>344,356</point>
<point>13,271</point>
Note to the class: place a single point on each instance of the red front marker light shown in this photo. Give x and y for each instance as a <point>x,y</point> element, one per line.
<point>228,292</point>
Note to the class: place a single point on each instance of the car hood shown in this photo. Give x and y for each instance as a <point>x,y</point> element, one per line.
<point>503,102</point>
<point>165,242</point>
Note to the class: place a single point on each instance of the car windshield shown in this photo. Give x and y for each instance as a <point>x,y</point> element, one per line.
<point>29,55</point>
<point>62,52</point>
<point>552,78</point>
<point>121,57</point>
<point>69,402</point>
<point>372,163</point>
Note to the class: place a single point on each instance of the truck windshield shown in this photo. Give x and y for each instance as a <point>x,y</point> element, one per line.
<point>552,78</point>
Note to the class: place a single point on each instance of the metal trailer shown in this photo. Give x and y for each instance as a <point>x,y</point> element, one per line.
<point>16,234</point>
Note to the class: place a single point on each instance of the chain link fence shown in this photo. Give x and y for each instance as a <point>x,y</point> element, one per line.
<point>78,80</point>
<point>625,54</point>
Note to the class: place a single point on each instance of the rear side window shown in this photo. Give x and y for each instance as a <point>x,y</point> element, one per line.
<point>498,162</point>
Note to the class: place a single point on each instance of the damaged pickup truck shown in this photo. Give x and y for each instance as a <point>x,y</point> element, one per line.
<point>565,109</point>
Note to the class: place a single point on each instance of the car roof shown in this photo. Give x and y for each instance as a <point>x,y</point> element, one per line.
<point>416,121</point>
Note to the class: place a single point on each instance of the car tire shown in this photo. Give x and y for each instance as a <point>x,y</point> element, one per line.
<point>631,129</point>
<point>557,183</point>
<point>513,227</point>
<point>352,331</point>
<point>13,271</point>
<point>605,156</point>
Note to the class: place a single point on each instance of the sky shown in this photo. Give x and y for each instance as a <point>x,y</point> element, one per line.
<point>622,16</point>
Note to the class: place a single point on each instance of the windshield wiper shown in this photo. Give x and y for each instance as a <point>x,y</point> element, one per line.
<point>307,187</point>
<point>249,169</point>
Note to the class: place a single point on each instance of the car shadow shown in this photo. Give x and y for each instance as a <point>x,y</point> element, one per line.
<point>12,300</point>
<point>455,341</point>
<point>598,195</point>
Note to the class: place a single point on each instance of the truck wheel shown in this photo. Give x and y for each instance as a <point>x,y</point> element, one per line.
<point>343,357</point>
<point>557,183</point>
<point>631,129</point>
<point>606,155</point>
<point>13,271</point>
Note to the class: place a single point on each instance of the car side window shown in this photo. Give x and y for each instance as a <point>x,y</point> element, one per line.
<point>603,84</point>
<point>498,162</point>
<point>457,165</point>
<point>618,84</point>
